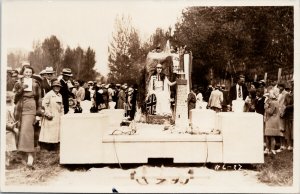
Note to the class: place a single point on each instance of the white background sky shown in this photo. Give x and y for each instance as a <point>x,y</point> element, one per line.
<point>82,23</point>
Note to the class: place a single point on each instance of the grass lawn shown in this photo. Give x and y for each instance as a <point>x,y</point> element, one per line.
<point>276,171</point>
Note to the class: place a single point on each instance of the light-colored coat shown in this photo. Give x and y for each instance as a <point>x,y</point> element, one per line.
<point>50,129</point>
<point>215,99</point>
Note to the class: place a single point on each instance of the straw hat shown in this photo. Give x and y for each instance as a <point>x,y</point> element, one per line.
<point>43,72</point>
<point>67,72</point>
<point>49,70</point>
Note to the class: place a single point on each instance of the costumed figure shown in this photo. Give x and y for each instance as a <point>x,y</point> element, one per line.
<point>160,86</point>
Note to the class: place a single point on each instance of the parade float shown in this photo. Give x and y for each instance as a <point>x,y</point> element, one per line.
<point>106,138</point>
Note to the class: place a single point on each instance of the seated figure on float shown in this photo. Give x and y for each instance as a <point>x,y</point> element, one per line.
<point>159,85</point>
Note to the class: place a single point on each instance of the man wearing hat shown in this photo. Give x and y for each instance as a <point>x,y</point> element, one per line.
<point>46,82</point>
<point>64,91</point>
<point>238,91</point>
<point>12,78</point>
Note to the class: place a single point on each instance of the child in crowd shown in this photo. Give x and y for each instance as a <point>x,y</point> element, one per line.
<point>272,127</point>
<point>11,130</point>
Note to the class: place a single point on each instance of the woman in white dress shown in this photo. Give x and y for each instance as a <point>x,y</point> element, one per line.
<point>160,86</point>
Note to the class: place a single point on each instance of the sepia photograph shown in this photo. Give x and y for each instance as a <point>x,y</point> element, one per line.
<point>150,96</point>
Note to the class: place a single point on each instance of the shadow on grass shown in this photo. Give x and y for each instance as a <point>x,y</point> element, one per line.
<point>277,169</point>
<point>46,165</point>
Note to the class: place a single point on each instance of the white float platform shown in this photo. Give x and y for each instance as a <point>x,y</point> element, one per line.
<point>87,138</point>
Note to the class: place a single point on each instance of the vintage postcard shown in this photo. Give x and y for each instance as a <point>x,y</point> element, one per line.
<point>150,96</point>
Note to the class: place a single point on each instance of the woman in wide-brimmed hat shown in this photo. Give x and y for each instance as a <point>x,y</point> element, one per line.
<point>50,125</point>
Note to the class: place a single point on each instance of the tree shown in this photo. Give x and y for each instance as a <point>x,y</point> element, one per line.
<point>88,73</point>
<point>124,53</point>
<point>15,58</point>
<point>233,40</point>
<point>36,57</point>
<point>52,53</point>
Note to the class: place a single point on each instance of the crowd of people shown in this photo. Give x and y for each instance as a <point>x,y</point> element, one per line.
<point>274,101</point>
<point>36,102</point>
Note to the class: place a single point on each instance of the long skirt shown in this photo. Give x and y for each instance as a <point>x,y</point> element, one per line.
<point>26,137</point>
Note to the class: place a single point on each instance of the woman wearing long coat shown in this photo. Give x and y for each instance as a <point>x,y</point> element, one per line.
<point>28,105</point>
<point>51,121</point>
<point>272,117</point>
<point>121,98</point>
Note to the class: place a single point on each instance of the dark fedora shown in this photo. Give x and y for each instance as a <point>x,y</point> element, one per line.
<point>67,72</point>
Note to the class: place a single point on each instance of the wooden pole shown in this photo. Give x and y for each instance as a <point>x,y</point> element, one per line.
<point>255,77</point>
<point>279,75</point>
<point>265,78</point>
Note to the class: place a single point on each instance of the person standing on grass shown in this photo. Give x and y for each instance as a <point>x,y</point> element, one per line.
<point>281,99</point>
<point>272,128</point>
<point>28,106</point>
<point>50,126</point>
<point>11,130</point>
<point>288,116</point>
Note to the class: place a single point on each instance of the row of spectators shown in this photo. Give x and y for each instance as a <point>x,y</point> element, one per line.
<point>275,102</point>
<point>35,104</point>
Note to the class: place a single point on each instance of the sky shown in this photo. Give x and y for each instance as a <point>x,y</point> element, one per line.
<point>81,23</point>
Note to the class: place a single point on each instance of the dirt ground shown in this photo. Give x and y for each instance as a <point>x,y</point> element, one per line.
<point>159,179</point>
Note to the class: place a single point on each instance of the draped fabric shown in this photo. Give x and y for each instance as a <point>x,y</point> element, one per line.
<point>161,89</point>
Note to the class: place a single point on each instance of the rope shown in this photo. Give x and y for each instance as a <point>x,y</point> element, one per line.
<point>116,153</point>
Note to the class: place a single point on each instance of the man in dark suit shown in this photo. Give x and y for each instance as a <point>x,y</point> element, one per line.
<point>238,91</point>
<point>46,81</point>
<point>64,90</point>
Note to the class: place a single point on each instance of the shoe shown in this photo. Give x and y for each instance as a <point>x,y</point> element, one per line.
<point>30,160</point>
<point>273,152</point>
<point>266,151</point>
<point>290,148</point>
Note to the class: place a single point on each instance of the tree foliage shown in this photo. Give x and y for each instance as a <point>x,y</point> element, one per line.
<point>233,40</point>
<point>125,59</point>
<point>52,52</point>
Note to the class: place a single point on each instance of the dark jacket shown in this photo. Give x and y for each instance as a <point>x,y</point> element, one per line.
<point>260,105</point>
<point>233,93</point>
<point>66,94</point>
<point>45,87</point>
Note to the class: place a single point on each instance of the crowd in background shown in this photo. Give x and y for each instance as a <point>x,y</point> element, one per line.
<point>274,101</point>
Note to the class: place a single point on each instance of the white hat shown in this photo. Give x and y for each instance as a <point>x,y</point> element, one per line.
<point>43,72</point>
<point>49,70</point>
